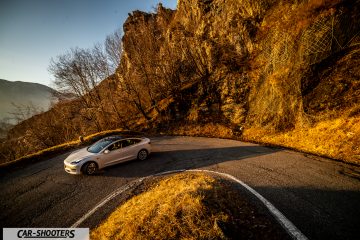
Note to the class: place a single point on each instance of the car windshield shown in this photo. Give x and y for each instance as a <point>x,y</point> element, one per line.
<point>100,145</point>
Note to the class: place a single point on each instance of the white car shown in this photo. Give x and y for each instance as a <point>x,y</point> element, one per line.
<point>106,152</point>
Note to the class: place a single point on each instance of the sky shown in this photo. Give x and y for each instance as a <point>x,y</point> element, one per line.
<point>34,31</point>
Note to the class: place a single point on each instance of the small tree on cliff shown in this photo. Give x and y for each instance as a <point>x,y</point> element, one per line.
<point>76,72</point>
<point>113,48</point>
<point>81,70</point>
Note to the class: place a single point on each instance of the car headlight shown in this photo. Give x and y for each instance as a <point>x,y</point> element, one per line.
<point>76,161</point>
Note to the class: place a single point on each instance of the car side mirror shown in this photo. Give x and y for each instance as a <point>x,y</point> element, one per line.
<point>106,151</point>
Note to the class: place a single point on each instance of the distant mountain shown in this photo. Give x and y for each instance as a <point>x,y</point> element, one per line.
<point>21,95</point>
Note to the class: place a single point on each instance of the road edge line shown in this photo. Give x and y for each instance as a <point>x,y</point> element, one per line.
<point>292,230</point>
<point>116,193</point>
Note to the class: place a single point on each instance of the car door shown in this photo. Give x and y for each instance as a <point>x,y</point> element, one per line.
<point>128,150</point>
<point>114,154</point>
<point>134,148</point>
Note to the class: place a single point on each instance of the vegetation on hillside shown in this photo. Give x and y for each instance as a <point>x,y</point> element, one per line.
<point>272,71</point>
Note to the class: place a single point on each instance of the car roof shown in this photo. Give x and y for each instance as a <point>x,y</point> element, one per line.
<point>113,138</point>
<point>118,137</point>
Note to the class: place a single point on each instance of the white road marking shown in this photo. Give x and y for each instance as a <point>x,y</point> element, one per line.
<point>116,193</point>
<point>102,202</point>
<point>292,230</point>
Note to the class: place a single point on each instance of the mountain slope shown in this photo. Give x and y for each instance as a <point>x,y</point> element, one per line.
<point>23,94</point>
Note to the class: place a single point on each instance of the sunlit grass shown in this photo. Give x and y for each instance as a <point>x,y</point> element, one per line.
<point>173,209</point>
<point>337,138</point>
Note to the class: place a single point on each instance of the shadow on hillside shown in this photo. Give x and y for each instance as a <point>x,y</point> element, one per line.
<point>167,160</point>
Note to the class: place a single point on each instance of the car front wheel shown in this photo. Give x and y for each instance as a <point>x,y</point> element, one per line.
<point>142,155</point>
<point>90,168</point>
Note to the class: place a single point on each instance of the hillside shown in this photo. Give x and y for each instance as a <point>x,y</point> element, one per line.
<point>271,71</point>
<point>23,94</point>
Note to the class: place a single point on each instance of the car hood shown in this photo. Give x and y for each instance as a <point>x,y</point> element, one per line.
<point>79,154</point>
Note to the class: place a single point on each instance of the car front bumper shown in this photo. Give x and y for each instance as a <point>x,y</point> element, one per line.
<point>72,169</point>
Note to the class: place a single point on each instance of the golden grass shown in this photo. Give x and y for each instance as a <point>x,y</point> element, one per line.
<point>336,138</point>
<point>173,209</point>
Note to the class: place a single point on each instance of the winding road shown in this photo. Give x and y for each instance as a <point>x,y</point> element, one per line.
<point>321,197</point>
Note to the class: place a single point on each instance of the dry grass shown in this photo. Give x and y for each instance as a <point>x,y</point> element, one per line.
<point>172,209</point>
<point>336,138</point>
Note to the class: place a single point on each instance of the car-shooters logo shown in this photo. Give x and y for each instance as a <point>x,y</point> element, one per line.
<point>46,233</point>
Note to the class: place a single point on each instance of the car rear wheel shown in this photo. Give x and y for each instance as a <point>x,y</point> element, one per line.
<point>142,155</point>
<point>90,168</point>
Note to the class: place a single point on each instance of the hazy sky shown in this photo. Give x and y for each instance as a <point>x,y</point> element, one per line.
<point>33,31</point>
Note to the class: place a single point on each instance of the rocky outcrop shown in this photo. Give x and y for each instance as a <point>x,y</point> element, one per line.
<point>252,61</point>
<point>266,66</point>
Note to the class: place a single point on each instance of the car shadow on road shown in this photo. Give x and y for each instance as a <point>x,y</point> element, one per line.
<point>161,161</point>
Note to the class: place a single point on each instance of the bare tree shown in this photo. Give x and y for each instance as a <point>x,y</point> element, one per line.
<point>113,48</point>
<point>79,72</point>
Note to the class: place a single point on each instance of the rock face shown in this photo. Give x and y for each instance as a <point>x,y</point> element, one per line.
<point>249,63</point>
<point>273,71</point>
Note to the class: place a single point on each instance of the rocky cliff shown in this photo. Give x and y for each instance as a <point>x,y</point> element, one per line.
<point>258,68</point>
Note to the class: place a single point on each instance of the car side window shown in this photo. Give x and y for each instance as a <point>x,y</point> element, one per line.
<point>126,143</point>
<point>135,141</point>
<point>115,146</point>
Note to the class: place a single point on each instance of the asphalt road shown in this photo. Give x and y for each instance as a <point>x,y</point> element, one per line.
<point>321,197</point>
